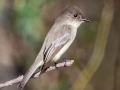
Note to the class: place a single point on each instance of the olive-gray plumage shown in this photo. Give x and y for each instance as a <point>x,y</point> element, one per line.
<point>58,39</point>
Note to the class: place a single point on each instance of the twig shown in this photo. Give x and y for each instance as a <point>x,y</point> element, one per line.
<point>37,74</point>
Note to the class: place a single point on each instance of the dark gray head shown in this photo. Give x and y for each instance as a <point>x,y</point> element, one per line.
<point>74,13</point>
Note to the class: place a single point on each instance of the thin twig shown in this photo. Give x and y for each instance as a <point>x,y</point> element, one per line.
<point>37,74</point>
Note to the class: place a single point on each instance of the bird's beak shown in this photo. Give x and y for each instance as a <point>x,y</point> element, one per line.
<point>86,20</point>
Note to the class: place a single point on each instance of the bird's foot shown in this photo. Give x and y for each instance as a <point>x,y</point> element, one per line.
<point>56,65</point>
<point>65,60</point>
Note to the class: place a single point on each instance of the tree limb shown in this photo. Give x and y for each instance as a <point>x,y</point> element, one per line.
<point>37,74</point>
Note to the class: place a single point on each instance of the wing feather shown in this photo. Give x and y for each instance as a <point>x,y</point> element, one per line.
<point>55,46</point>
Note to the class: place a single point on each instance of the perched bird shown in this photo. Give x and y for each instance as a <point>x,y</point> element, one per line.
<point>58,39</point>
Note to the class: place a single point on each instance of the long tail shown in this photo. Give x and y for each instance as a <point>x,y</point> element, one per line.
<point>29,73</point>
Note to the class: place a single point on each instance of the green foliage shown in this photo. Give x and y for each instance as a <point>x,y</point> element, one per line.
<point>28,22</point>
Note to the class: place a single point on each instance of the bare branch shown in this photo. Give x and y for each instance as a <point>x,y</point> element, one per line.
<point>37,74</point>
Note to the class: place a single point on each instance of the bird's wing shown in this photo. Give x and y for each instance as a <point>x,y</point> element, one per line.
<point>54,46</point>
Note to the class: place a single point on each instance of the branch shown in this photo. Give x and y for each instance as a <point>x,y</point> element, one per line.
<point>37,74</point>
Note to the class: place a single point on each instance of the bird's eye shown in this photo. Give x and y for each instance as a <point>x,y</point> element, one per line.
<point>75,15</point>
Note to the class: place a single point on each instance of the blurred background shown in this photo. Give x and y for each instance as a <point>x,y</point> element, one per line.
<point>96,49</point>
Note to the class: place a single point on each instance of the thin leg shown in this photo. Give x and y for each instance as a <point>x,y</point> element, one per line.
<point>65,61</point>
<point>56,65</point>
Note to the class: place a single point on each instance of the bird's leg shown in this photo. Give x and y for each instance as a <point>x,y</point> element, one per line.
<point>56,65</point>
<point>65,61</point>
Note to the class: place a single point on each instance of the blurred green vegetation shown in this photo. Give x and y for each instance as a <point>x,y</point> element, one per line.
<point>28,21</point>
<point>24,25</point>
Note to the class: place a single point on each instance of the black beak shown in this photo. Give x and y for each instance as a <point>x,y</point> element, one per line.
<point>86,20</point>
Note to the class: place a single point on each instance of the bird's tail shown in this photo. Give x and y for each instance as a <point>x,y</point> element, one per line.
<point>29,73</point>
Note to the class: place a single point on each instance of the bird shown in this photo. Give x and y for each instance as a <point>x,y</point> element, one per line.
<point>58,39</point>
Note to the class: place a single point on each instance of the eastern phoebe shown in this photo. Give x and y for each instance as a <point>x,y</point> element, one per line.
<point>58,39</point>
